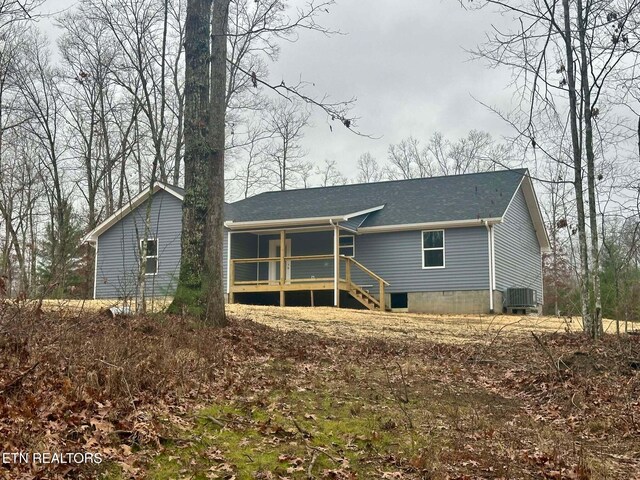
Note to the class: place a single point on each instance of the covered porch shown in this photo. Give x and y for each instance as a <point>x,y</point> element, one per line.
<point>314,259</point>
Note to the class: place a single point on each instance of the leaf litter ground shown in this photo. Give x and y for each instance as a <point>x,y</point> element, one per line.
<point>317,393</point>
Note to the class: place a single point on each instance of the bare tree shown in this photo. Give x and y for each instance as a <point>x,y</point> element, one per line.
<point>477,152</point>
<point>20,191</point>
<point>148,48</point>
<point>248,174</point>
<point>39,84</point>
<point>329,174</point>
<point>556,269</point>
<point>20,182</point>
<point>408,159</point>
<point>15,12</point>
<point>88,54</point>
<point>286,120</point>
<point>368,169</point>
<point>200,289</point>
<point>564,55</point>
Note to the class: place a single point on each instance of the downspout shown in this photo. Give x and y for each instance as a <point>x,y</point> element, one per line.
<point>493,259</point>
<point>336,263</point>
<point>491,265</point>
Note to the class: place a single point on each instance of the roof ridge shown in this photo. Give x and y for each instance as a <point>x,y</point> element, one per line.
<point>493,172</point>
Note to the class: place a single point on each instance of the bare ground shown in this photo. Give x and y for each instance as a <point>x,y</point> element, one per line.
<point>343,323</point>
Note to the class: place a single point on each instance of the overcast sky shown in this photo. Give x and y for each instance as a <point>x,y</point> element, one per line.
<point>406,64</point>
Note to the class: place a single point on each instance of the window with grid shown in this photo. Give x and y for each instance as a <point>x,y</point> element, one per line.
<point>433,249</point>
<point>149,254</point>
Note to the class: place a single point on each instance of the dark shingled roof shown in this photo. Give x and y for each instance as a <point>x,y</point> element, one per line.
<point>422,200</point>
<point>176,189</point>
<point>228,209</point>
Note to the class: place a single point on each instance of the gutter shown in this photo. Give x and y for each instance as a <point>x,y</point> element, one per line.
<point>287,222</point>
<point>431,225</point>
<point>231,225</point>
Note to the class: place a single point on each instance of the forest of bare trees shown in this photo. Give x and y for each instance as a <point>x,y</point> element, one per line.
<point>573,65</point>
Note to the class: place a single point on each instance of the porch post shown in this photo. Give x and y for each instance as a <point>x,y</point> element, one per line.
<point>336,266</point>
<point>231,272</point>
<point>282,266</point>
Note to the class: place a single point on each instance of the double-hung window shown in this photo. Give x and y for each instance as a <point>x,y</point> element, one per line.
<point>149,255</point>
<point>433,249</point>
<point>348,245</point>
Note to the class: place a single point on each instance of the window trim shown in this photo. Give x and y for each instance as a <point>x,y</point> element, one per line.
<point>443,248</point>
<point>156,256</point>
<point>352,246</point>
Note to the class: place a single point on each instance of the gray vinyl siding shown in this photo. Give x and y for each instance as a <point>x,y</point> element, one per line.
<point>397,257</point>
<point>517,251</point>
<point>118,258</point>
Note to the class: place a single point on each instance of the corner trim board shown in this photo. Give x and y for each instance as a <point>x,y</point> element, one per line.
<point>95,272</point>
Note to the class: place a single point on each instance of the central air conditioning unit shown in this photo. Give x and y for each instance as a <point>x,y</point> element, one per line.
<point>519,298</point>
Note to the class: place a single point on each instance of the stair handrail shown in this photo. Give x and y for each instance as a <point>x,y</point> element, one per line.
<point>365,269</point>
<point>381,281</point>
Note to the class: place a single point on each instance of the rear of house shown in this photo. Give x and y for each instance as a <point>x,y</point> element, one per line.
<point>439,245</point>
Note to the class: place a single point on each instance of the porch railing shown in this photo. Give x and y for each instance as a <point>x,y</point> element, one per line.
<point>279,278</point>
<point>352,263</point>
<point>280,281</point>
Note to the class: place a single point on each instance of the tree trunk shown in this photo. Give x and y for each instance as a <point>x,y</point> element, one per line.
<point>577,167</point>
<point>212,280</point>
<point>200,280</point>
<point>596,303</point>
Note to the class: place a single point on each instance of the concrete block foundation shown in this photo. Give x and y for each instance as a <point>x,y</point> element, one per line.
<point>454,302</point>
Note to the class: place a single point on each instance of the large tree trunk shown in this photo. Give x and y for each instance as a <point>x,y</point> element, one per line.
<point>199,290</point>
<point>214,236</point>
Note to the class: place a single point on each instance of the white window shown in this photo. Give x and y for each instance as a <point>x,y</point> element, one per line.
<point>348,245</point>
<point>433,249</point>
<point>149,255</point>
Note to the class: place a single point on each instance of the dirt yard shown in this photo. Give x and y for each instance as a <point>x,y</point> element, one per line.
<point>299,393</point>
<point>343,323</point>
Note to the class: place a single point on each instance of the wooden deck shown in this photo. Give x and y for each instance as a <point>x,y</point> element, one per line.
<point>284,284</point>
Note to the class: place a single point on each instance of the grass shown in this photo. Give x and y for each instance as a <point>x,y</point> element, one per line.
<point>331,425</point>
<point>335,434</point>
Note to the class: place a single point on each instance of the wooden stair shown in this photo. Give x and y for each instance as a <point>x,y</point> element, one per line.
<point>364,297</point>
<point>359,293</point>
